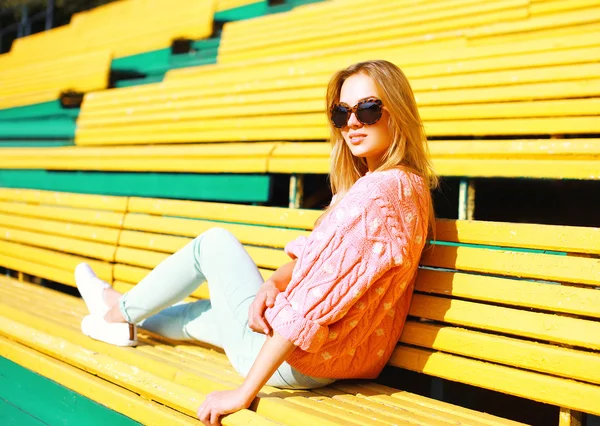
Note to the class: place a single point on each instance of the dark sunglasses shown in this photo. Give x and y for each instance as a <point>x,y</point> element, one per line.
<point>367,112</point>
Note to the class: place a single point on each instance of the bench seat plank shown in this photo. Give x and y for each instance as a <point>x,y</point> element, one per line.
<point>535,356</point>
<point>247,234</point>
<point>197,368</point>
<point>511,321</point>
<point>54,259</point>
<point>65,214</point>
<point>577,270</point>
<point>538,387</point>
<point>539,296</point>
<point>84,232</point>
<point>75,246</point>
<point>106,393</point>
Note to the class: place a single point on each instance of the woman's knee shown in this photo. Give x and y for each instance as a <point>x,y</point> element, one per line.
<point>216,240</point>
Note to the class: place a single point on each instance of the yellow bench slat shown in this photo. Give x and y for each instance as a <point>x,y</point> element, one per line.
<point>555,298</point>
<point>534,325</point>
<point>565,362</point>
<point>547,267</point>
<point>109,395</point>
<point>91,249</point>
<point>557,391</point>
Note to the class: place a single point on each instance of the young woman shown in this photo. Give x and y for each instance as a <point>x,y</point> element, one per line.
<point>338,308</point>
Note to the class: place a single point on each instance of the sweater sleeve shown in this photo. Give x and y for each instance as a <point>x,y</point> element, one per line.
<point>294,248</point>
<point>337,267</point>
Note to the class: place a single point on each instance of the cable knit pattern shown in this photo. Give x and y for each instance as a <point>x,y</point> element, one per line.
<point>348,298</point>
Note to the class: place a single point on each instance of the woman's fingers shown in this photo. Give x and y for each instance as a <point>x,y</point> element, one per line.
<point>256,320</point>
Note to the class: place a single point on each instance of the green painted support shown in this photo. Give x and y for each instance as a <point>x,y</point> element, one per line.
<point>214,187</point>
<point>142,61</point>
<point>41,110</point>
<point>26,398</point>
<point>248,11</point>
<point>58,128</point>
<point>12,415</point>
<point>140,81</point>
<point>24,143</point>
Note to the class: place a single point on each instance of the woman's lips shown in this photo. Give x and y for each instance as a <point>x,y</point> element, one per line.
<point>356,138</point>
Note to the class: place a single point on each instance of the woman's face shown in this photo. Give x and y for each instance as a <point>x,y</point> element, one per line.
<point>369,141</point>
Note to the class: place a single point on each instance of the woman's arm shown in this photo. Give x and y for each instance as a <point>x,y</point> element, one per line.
<point>282,276</point>
<point>274,351</point>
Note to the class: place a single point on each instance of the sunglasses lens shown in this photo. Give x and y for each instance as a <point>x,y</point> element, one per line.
<point>369,112</point>
<point>339,116</point>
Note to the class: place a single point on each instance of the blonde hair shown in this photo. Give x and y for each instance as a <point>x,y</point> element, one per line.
<point>408,148</point>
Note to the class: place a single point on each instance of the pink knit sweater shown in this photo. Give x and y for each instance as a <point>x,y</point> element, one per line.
<point>348,298</point>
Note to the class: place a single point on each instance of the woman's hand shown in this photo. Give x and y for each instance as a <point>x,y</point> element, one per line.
<point>265,298</point>
<point>218,404</point>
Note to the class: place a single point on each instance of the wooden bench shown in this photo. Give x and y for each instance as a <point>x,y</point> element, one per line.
<point>370,23</point>
<point>526,92</point>
<point>46,234</point>
<point>43,81</point>
<point>125,28</point>
<point>508,307</point>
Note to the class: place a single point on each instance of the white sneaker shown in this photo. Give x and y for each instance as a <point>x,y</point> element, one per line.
<point>91,289</point>
<point>114,333</point>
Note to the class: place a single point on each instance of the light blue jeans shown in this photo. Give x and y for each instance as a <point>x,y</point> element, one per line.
<point>233,279</point>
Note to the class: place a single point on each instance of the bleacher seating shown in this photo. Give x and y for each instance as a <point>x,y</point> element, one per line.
<point>507,307</point>
<point>37,82</point>
<point>506,89</point>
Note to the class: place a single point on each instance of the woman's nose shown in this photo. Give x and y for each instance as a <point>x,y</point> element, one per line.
<point>353,121</point>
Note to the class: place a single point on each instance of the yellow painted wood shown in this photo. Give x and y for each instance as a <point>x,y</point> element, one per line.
<point>166,392</point>
<point>315,73</point>
<point>420,404</point>
<point>269,216</point>
<point>95,250</point>
<point>65,214</point>
<point>573,18</point>
<point>448,20</point>
<point>221,165</point>
<point>558,46</point>
<point>155,375</point>
<point>534,386</point>
<point>569,363</point>
<point>247,234</point>
<point>534,325</point>
<point>54,259</point>
<point>150,241</point>
<point>109,395</point>
<point>569,417</point>
<point>178,135</point>
<point>517,168</point>
<point>513,149</point>
<point>559,6</point>
<point>99,202</point>
<point>527,265</point>
<point>546,237</point>
<point>553,298</point>
<point>355,406</point>
<point>81,73</point>
<point>85,232</point>
<point>38,270</point>
<point>552,32</point>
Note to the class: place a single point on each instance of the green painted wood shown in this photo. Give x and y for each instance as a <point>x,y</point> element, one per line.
<point>140,81</point>
<point>213,187</point>
<point>208,43</point>
<point>143,61</point>
<point>47,402</point>
<point>57,128</point>
<point>23,143</point>
<point>41,110</point>
<point>248,11</point>
<point>11,415</point>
